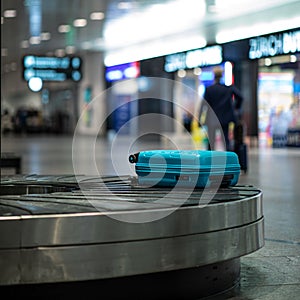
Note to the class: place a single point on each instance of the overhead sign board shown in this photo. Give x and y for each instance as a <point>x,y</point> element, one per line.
<point>207,56</point>
<point>124,71</point>
<point>52,68</point>
<point>274,44</point>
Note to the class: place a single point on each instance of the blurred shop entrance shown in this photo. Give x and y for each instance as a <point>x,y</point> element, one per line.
<point>122,106</point>
<point>278,99</point>
<point>137,108</point>
<point>47,112</point>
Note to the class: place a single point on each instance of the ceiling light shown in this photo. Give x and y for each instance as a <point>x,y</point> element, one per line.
<point>124,31</point>
<point>268,62</point>
<point>293,58</point>
<point>181,73</point>
<point>124,5</point>
<point>97,15</point>
<point>10,13</point>
<point>80,22</point>
<point>4,52</point>
<point>45,36</point>
<point>35,40</point>
<point>60,52</point>
<point>70,49</point>
<point>64,28</point>
<point>24,44</point>
<point>197,71</point>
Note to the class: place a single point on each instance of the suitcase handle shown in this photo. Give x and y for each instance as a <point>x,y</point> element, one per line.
<point>133,158</point>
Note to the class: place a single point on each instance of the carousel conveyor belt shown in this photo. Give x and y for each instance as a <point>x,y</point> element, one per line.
<point>60,229</point>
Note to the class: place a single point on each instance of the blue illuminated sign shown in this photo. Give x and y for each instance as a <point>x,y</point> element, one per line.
<point>124,71</point>
<point>195,58</point>
<point>52,68</point>
<point>274,44</point>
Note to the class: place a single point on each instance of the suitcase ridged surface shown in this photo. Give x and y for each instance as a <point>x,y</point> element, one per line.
<point>196,168</point>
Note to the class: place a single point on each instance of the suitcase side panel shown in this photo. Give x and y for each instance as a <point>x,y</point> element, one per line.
<point>187,168</point>
<point>181,179</point>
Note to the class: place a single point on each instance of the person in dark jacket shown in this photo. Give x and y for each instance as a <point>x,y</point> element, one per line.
<point>224,101</point>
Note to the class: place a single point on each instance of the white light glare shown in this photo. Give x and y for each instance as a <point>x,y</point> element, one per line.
<point>131,72</point>
<point>240,33</point>
<point>197,71</point>
<point>64,28</point>
<point>114,75</point>
<point>124,31</point>
<point>154,48</point>
<point>228,73</point>
<point>35,40</point>
<point>293,58</point>
<point>181,73</point>
<point>45,36</point>
<point>268,62</point>
<point>97,15</point>
<point>80,23</point>
<point>10,13</point>
<point>35,84</point>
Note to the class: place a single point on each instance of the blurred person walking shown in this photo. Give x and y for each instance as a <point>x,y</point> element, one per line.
<point>225,102</point>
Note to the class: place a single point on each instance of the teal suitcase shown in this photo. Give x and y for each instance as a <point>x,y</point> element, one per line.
<point>186,168</point>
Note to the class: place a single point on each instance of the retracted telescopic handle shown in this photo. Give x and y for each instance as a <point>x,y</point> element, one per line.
<point>133,158</point>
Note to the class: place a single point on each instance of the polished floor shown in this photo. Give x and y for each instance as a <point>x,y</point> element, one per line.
<point>273,272</point>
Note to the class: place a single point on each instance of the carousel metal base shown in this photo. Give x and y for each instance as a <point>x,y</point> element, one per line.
<point>53,238</point>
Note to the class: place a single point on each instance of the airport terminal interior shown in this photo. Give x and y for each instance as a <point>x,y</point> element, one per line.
<point>99,98</point>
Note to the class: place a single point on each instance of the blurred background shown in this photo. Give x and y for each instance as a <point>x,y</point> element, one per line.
<point>86,82</point>
<point>56,56</point>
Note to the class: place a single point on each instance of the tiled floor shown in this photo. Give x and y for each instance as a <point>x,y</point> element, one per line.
<point>270,273</point>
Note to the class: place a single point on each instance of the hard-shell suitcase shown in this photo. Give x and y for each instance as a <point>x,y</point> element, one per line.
<point>187,168</point>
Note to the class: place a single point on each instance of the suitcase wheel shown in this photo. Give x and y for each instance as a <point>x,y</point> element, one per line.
<point>133,158</point>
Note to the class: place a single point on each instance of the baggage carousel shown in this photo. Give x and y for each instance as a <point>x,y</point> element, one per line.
<point>54,240</point>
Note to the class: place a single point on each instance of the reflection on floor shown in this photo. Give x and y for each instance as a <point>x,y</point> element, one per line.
<point>270,273</point>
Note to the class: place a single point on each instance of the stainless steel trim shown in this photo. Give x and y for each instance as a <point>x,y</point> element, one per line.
<point>86,228</point>
<point>109,260</point>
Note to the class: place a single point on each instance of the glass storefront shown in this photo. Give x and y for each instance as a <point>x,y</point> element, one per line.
<point>278,101</point>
